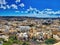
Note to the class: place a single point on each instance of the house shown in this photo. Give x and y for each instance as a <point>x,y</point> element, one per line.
<point>56,37</point>
<point>24,28</point>
<point>22,36</point>
<point>57,43</point>
<point>3,36</point>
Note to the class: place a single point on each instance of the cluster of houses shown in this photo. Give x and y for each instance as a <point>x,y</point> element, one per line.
<point>40,29</point>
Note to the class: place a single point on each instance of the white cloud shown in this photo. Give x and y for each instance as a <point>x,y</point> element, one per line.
<point>33,10</point>
<point>17,11</point>
<point>22,11</point>
<point>57,12</point>
<point>30,8</point>
<point>26,11</point>
<point>17,1</point>
<point>8,6</point>
<point>14,6</point>
<point>3,7</point>
<point>3,2</point>
<point>45,11</point>
<point>22,5</point>
<point>49,12</point>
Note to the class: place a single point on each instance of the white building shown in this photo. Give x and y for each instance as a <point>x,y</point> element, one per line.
<point>24,28</point>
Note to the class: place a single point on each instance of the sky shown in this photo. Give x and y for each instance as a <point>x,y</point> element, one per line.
<point>29,7</point>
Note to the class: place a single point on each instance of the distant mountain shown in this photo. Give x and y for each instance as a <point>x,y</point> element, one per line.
<point>22,17</point>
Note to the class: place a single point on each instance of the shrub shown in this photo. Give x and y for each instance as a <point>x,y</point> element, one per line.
<point>25,43</point>
<point>50,41</point>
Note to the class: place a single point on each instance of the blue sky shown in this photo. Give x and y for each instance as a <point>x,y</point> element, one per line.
<point>18,7</point>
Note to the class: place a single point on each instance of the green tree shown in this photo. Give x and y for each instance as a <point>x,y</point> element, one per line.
<point>50,41</point>
<point>25,43</point>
